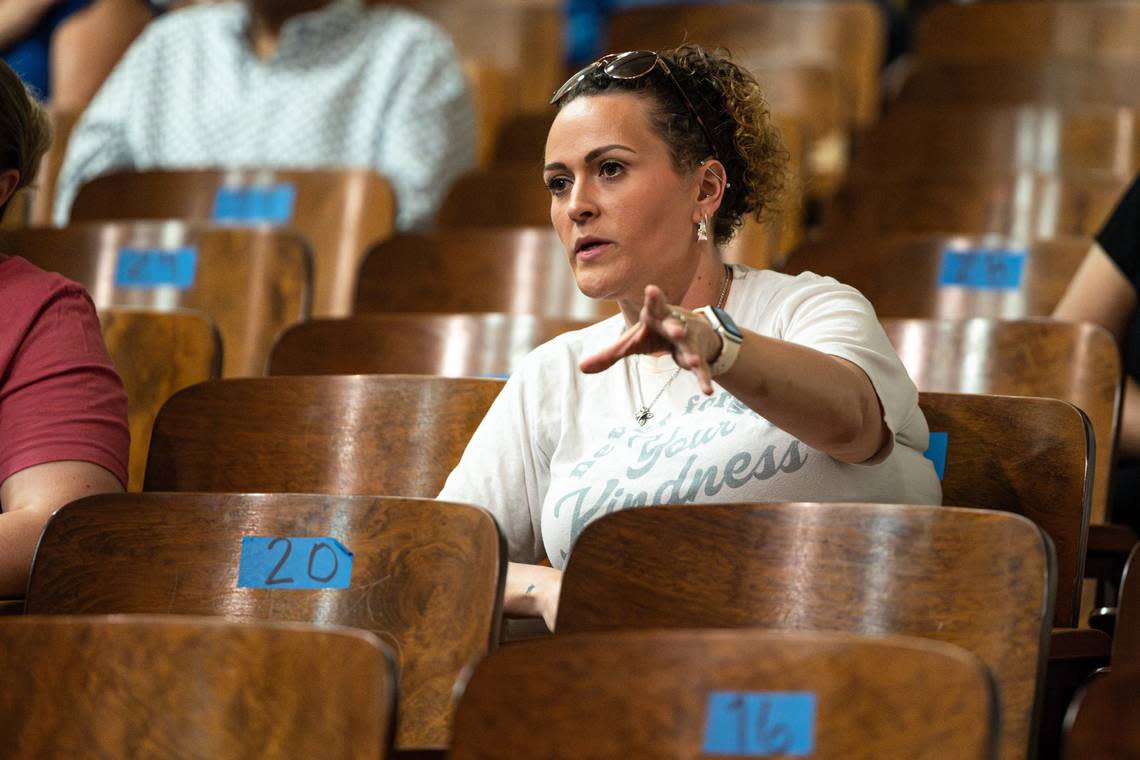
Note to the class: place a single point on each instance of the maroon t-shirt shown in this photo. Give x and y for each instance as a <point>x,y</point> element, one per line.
<point>60,397</point>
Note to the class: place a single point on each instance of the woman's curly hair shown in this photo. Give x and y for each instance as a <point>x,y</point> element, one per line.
<point>733,109</point>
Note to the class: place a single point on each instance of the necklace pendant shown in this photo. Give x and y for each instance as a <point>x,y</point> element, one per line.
<point>643,416</point>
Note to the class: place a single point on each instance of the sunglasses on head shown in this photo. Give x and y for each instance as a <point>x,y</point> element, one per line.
<point>634,64</point>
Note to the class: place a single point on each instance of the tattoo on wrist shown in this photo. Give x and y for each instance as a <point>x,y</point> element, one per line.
<point>530,588</point>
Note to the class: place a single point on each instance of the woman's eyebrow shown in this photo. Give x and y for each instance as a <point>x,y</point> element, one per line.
<point>591,156</point>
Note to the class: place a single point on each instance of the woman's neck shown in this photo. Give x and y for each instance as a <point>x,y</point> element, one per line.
<point>700,286</point>
<point>268,16</point>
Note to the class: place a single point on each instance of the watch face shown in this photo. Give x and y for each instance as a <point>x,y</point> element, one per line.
<point>729,326</point>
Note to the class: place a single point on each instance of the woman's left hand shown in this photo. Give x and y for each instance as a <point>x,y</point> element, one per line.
<point>661,327</point>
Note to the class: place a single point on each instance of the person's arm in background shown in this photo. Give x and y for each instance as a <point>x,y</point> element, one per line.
<point>63,426</point>
<point>99,142</point>
<point>1100,293</point>
<point>86,47</point>
<point>18,17</point>
<point>29,498</point>
<point>429,138</point>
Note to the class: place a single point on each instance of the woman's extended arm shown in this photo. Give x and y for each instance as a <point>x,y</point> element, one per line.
<point>87,46</point>
<point>532,591</point>
<point>1101,294</point>
<point>825,401</point>
<point>17,17</point>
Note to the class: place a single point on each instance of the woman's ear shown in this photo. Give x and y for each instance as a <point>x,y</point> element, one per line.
<point>9,180</point>
<point>711,184</point>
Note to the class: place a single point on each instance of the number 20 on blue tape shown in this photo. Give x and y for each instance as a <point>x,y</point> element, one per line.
<point>285,563</point>
<point>760,723</point>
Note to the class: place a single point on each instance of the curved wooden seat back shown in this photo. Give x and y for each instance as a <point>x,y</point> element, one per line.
<point>1044,82</point>
<point>521,39</point>
<point>650,694</point>
<point>157,354</point>
<point>847,35</point>
<point>512,195</point>
<point>359,434</point>
<point>979,579</point>
<point>426,576</point>
<point>451,345</point>
<point>1018,30</point>
<point>339,211</point>
<point>1030,456</point>
<point>932,140</point>
<point>1101,722</point>
<point>491,88</point>
<point>1077,363</point>
<point>1024,206</point>
<point>251,282</point>
<point>511,270</point>
<point>902,275</point>
<point>1126,638</point>
<point>161,686</point>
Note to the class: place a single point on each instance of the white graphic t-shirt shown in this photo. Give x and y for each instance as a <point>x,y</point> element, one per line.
<point>559,448</point>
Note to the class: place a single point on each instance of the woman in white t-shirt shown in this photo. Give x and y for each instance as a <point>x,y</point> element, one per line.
<point>652,162</point>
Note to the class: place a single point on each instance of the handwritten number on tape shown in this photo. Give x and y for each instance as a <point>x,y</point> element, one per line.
<point>982,269</point>
<point>272,204</point>
<point>760,723</point>
<point>279,562</point>
<point>154,267</point>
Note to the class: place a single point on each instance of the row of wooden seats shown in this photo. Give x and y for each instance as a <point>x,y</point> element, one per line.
<point>426,578</point>
<point>408,552</point>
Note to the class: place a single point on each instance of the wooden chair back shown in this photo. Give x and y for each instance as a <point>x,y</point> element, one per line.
<point>949,277</point>
<point>521,38</point>
<point>470,269</point>
<point>1101,722</point>
<point>491,90</point>
<point>162,686</point>
<point>451,345</point>
<point>845,35</point>
<point>157,354</point>
<point>507,195</point>
<point>1067,83</point>
<point>339,211</point>
<point>1030,456</point>
<point>1025,206</point>
<point>917,140</point>
<point>981,580</point>
<point>1018,30</point>
<point>689,693</point>
<point>424,576</point>
<point>18,214</point>
<point>379,434</point>
<point>1074,362</point>
<point>43,189</point>
<point>251,282</point>
<point>1126,638</point>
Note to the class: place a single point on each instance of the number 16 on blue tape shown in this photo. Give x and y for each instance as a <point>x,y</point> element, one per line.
<point>760,724</point>
<point>280,562</point>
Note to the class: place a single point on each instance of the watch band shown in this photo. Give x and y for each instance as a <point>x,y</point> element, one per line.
<point>730,338</point>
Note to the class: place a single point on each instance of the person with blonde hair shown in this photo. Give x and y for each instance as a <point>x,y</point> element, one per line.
<point>717,382</point>
<point>63,412</point>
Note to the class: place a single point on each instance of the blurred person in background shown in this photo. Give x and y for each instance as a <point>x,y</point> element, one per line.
<point>284,84</point>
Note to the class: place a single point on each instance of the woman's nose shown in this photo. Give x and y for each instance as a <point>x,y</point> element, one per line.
<point>582,205</point>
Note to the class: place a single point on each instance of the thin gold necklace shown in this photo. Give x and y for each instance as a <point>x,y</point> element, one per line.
<point>644,414</point>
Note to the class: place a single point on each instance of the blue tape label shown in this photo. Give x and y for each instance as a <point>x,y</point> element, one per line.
<point>936,452</point>
<point>154,267</point>
<point>256,203</point>
<point>760,723</point>
<point>982,269</point>
<point>277,562</point>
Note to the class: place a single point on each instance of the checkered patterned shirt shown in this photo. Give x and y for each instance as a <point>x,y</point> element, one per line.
<point>348,86</point>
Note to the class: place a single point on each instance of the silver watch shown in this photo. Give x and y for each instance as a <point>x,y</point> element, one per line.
<point>730,338</point>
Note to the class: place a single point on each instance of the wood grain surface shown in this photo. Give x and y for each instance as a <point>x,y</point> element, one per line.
<point>426,576</point>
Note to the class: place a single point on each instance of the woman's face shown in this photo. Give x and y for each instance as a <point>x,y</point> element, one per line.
<point>624,214</point>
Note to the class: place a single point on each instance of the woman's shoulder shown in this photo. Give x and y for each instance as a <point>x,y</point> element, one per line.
<point>23,283</point>
<point>566,350</point>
